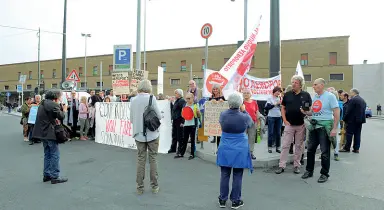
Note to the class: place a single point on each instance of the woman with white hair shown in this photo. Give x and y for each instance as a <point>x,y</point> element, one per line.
<point>177,123</point>
<point>252,108</point>
<point>233,152</point>
<point>146,140</point>
<point>217,96</point>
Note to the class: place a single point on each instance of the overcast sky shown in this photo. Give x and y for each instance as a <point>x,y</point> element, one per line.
<point>177,23</point>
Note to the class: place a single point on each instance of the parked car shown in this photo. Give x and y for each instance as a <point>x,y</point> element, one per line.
<point>368,112</point>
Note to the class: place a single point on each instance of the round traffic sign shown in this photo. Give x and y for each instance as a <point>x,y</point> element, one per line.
<point>206,31</point>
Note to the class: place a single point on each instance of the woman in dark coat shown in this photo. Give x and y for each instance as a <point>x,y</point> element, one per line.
<point>48,114</point>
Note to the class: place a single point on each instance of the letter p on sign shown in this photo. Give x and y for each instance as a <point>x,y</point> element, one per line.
<point>122,54</point>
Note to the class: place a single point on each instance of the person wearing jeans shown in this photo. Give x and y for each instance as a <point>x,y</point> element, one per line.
<point>293,119</point>
<point>252,108</point>
<point>233,153</point>
<point>274,119</point>
<point>323,129</point>
<point>48,115</point>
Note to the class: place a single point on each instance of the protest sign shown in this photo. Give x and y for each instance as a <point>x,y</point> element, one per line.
<point>120,83</point>
<point>261,88</point>
<point>137,76</point>
<point>211,117</point>
<point>33,114</point>
<point>114,126</point>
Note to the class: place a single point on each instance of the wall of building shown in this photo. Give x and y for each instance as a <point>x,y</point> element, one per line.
<point>318,65</point>
<point>368,79</point>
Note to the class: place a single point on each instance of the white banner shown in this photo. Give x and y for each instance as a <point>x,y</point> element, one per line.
<point>261,87</point>
<point>208,84</point>
<point>237,66</point>
<point>114,127</point>
<point>160,80</point>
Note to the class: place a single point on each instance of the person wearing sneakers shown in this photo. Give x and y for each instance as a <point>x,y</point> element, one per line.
<point>233,155</point>
<point>83,118</point>
<point>294,123</point>
<point>322,128</point>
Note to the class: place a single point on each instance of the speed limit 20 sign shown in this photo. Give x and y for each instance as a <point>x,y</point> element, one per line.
<point>206,31</point>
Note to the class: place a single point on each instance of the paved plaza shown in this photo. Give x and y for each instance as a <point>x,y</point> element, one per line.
<point>103,177</point>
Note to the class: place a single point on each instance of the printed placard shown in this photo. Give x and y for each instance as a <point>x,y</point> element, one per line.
<point>33,114</point>
<point>211,117</point>
<point>120,83</point>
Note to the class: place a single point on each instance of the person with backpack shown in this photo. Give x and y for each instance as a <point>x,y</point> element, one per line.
<point>191,115</point>
<point>145,117</point>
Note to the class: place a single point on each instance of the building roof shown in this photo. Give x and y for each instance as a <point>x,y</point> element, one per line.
<point>185,48</point>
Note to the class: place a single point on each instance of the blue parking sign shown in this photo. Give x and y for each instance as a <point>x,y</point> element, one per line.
<point>8,94</point>
<point>19,88</point>
<point>122,57</point>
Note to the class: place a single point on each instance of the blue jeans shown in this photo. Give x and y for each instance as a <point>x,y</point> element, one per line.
<point>237,181</point>
<point>274,131</point>
<point>51,159</point>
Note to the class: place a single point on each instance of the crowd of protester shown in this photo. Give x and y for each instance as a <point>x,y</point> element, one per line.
<point>329,119</point>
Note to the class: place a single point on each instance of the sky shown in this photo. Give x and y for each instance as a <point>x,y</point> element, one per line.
<point>177,24</point>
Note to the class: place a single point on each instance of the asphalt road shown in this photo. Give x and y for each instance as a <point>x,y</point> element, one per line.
<point>103,177</point>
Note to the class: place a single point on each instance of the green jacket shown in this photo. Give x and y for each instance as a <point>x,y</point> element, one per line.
<point>25,111</point>
<point>327,125</point>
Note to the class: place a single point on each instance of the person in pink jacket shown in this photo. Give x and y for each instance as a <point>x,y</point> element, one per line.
<point>83,118</point>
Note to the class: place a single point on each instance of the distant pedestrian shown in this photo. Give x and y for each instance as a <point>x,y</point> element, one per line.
<point>378,109</point>
<point>233,154</point>
<point>146,141</point>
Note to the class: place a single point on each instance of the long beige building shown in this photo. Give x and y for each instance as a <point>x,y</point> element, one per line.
<point>325,57</point>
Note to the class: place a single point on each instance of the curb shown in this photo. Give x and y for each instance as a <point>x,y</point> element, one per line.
<point>257,164</point>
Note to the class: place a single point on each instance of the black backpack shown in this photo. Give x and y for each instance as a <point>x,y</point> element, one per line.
<point>150,118</point>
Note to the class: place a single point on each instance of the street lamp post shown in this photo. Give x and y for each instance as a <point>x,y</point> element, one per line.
<point>245,18</point>
<point>145,34</point>
<point>138,35</point>
<point>38,63</point>
<point>85,58</point>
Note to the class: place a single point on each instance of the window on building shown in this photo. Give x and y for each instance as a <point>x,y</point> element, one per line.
<point>183,65</point>
<point>199,81</point>
<point>99,84</point>
<point>110,69</point>
<point>82,84</point>
<point>143,66</point>
<point>41,74</point>
<point>154,82</point>
<point>308,77</point>
<point>202,64</point>
<point>42,86</point>
<point>30,75</point>
<point>226,60</point>
<point>333,58</point>
<point>94,71</point>
<point>80,71</point>
<point>175,82</point>
<point>253,62</point>
<point>336,77</point>
<point>54,74</point>
<point>6,87</point>
<point>54,85</point>
<point>29,87</point>
<point>164,66</point>
<point>15,87</point>
<point>304,59</point>
<point>18,76</point>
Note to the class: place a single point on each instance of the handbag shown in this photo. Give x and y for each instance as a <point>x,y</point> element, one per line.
<point>62,132</point>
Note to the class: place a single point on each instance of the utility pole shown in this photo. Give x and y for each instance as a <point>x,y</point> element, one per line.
<point>38,62</point>
<point>64,52</point>
<point>138,36</point>
<point>85,58</point>
<point>274,37</point>
<point>245,19</point>
<point>145,34</point>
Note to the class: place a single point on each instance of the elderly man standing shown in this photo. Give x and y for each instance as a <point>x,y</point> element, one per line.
<point>194,90</point>
<point>354,117</point>
<point>145,140</point>
<point>322,129</point>
<point>293,119</point>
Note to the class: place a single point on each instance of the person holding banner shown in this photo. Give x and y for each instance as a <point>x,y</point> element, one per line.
<point>252,108</point>
<point>33,140</point>
<point>217,96</point>
<point>146,140</point>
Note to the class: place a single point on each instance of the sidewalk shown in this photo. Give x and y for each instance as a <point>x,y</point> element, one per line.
<point>264,159</point>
